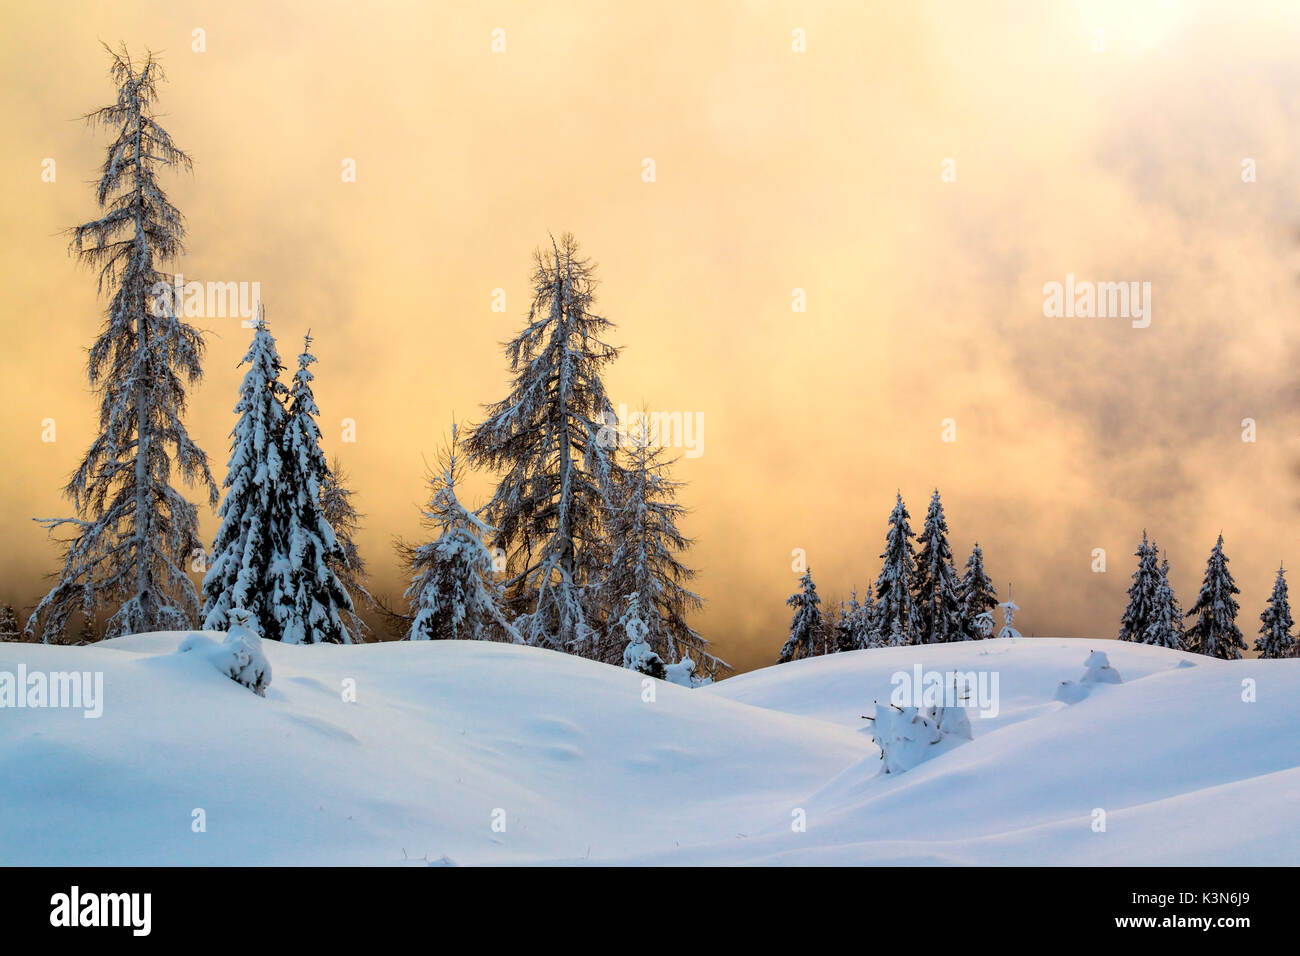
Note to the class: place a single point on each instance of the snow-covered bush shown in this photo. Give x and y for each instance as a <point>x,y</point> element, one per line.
<point>908,736</point>
<point>683,673</point>
<point>239,656</point>
<point>1096,670</point>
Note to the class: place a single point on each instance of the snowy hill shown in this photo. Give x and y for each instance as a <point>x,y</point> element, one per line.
<point>446,739</point>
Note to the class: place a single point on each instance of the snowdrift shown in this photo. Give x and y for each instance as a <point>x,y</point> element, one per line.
<point>463,753</point>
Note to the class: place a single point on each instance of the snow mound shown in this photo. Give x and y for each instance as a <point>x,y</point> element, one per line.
<point>1174,746</point>
<point>469,753</point>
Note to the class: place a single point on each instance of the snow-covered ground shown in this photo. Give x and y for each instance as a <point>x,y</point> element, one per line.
<point>475,753</point>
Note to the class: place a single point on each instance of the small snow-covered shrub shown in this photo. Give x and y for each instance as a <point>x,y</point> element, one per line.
<point>908,736</point>
<point>683,673</point>
<point>239,656</point>
<point>1096,670</point>
<point>638,655</point>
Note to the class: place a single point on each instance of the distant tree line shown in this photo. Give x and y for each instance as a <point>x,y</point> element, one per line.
<point>918,597</point>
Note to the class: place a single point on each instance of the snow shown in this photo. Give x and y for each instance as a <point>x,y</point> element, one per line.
<point>473,753</point>
<point>240,656</point>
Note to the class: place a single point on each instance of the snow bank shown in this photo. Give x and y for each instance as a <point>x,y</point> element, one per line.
<point>475,753</point>
<point>387,754</point>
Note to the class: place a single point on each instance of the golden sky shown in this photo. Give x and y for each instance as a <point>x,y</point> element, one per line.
<point>775,170</point>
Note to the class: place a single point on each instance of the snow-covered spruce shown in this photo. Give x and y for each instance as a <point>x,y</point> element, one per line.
<point>638,655</point>
<point>908,736</point>
<point>309,599</point>
<point>550,438</point>
<point>646,557</point>
<point>806,626</point>
<point>862,621</point>
<point>454,594</point>
<point>1165,627</point>
<point>342,516</point>
<point>134,533</point>
<point>938,593</point>
<point>1275,639</point>
<point>1215,633</point>
<point>978,597</point>
<point>1141,594</point>
<point>250,541</point>
<point>239,656</point>
<point>849,627</point>
<point>897,619</point>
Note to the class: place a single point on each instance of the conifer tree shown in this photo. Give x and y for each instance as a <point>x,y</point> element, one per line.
<point>1215,633</point>
<point>1165,627</point>
<point>853,630</point>
<point>845,639</point>
<point>454,594</point>
<point>1141,594</point>
<point>134,533</point>
<point>250,541</point>
<point>646,549</point>
<point>938,592</point>
<point>864,622</point>
<point>550,437</point>
<point>897,617</point>
<point>978,595</point>
<point>638,655</point>
<point>827,641</point>
<point>806,626</point>
<point>336,503</point>
<point>1275,639</point>
<point>309,598</point>
<point>9,630</point>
